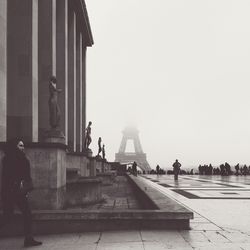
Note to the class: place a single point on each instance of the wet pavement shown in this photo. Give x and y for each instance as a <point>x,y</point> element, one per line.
<point>221,207</point>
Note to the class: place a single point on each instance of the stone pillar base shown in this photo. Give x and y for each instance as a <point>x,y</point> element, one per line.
<point>93,167</point>
<point>48,172</point>
<point>55,136</point>
<point>49,198</point>
<point>87,152</point>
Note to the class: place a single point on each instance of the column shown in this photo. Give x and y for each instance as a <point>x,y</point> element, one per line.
<point>72,80</point>
<point>22,70</point>
<point>3,70</point>
<point>78,87</point>
<point>46,60</point>
<point>81,96</point>
<point>62,61</point>
<point>35,70</point>
<point>83,99</point>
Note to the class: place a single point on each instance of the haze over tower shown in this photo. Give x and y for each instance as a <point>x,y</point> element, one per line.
<point>132,133</point>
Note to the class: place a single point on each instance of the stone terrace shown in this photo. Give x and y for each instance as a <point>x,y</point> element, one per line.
<point>217,224</point>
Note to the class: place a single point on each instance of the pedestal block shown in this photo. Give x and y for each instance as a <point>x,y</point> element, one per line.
<point>107,167</point>
<point>87,152</point>
<point>55,136</point>
<point>79,164</point>
<point>92,167</point>
<point>98,165</point>
<point>85,166</point>
<point>48,170</point>
<point>83,191</point>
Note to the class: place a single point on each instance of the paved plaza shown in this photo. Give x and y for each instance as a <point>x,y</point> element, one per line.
<point>221,207</point>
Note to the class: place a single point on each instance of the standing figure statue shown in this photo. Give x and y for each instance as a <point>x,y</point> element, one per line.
<point>54,111</point>
<point>176,167</point>
<point>88,139</point>
<point>99,146</point>
<point>103,151</point>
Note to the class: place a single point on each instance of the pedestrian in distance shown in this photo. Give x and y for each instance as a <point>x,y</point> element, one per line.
<point>176,167</point>
<point>157,169</point>
<point>134,168</point>
<point>16,184</point>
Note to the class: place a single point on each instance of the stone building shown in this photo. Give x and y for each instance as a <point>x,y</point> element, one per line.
<point>38,39</point>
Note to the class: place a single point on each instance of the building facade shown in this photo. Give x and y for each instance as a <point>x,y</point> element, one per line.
<point>38,39</point>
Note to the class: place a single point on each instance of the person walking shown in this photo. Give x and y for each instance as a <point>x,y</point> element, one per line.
<point>176,167</point>
<point>134,168</point>
<point>157,169</point>
<point>16,184</point>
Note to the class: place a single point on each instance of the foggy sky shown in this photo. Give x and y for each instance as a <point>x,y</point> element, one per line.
<point>178,70</point>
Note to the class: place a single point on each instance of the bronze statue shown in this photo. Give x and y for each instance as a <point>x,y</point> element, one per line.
<point>88,139</point>
<point>54,111</point>
<point>103,151</point>
<point>99,146</point>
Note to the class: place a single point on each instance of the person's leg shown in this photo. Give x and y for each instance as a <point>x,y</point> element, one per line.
<point>23,205</point>
<point>8,208</point>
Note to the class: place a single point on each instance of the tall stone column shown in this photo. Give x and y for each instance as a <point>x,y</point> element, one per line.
<point>47,60</point>
<point>22,73</point>
<point>3,70</point>
<point>78,87</point>
<point>62,61</point>
<point>83,98</point>
<point>72,80</point>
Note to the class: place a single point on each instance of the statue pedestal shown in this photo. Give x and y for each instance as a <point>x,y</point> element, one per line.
<point>87,152</point>
<point>98,157</point>
<point>48,169</point>
<point>55,136</point>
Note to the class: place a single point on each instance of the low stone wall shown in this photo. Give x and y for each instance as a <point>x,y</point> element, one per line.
<point>78,163</point>
<point>48,172</point>
<point>49,163</point>
<point>159,200</point>
<point>107,167</point>
<point>66,221</point>
<point>168,214</point>
<point>83,191</point>
<point>106,178</point>
<point>142,196</point>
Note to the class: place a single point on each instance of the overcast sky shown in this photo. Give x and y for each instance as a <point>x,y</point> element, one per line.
<point>177,69</point>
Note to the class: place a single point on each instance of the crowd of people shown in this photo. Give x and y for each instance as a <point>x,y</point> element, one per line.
<point>206,169</point>
<point>224,169</point>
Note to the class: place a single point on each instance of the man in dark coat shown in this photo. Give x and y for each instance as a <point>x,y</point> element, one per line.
<point>16,183</point>
<point>176,167</point>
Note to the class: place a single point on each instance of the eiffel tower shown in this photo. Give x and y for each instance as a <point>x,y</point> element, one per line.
<point>131,133</point>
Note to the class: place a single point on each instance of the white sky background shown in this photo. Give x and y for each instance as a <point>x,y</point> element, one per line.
<point>177,69</point>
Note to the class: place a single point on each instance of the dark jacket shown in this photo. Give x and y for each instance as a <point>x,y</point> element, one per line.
<point>16,167</point>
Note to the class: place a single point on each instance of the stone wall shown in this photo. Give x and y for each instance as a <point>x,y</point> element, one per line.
<point>79,163</point>
<point>49,164</point>
<point>83,191</point>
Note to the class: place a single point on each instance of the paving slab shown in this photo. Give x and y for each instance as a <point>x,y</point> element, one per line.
<point>121,246</point>
<point>165,245</point>
<point>120,236</point>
